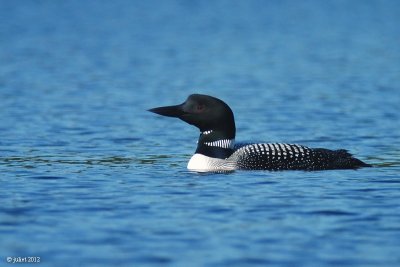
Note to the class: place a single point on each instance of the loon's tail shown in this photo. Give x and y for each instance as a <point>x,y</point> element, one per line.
<point>346,160</point>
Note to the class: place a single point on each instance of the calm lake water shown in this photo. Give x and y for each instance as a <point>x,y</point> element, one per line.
<point>90,178</point>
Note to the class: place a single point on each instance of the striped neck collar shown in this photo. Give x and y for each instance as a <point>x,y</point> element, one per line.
<point>215,144</point>
<point>224,143</point>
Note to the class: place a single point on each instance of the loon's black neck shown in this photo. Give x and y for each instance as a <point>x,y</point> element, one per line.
<point>216,144</point>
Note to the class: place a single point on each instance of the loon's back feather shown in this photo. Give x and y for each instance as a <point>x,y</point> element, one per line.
<point>277,156</point>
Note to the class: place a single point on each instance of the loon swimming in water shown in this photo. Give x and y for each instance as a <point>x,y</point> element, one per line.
<point>216,149</point>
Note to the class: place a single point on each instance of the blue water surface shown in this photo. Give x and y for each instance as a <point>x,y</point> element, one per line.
<point>90,178</point>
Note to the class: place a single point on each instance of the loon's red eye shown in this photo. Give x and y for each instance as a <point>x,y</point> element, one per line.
<point>200,107</point>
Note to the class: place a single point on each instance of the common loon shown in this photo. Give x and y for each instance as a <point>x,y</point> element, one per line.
<point>217,151</point>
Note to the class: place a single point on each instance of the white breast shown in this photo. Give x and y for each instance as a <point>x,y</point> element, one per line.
<point>201,163</point>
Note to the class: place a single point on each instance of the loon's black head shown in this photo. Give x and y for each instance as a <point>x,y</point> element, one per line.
<point>205,112</point>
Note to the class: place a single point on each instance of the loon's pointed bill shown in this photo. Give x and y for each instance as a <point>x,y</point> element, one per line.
<point>169,111</point>
<point>217,151</point>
